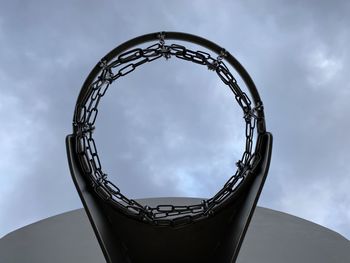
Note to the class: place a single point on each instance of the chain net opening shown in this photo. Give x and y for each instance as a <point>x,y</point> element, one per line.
<point>86,150</point>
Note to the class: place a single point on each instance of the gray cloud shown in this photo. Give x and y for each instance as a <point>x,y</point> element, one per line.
<point>176,130</point>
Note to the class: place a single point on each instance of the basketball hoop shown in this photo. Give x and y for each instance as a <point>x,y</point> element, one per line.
<point>122,61</point>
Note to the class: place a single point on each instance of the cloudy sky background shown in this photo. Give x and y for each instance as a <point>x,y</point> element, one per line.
<point>171,128</point>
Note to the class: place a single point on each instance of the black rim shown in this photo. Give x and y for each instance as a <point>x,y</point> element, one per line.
<point>93,89</point>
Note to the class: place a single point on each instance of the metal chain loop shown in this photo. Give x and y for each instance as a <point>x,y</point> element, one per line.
<point>85,117</point>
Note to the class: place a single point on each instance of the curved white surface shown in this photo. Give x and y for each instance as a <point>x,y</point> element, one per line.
<point>273,237</point>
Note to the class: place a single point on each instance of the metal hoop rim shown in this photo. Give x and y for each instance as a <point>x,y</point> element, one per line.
<point>161,36</point>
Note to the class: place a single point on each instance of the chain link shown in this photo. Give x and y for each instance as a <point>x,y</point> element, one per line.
<point>85,117</point>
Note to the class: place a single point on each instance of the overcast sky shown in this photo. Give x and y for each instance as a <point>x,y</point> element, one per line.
<point>171,128</point>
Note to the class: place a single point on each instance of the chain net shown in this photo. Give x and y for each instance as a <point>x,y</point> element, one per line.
<point>84,125</point>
